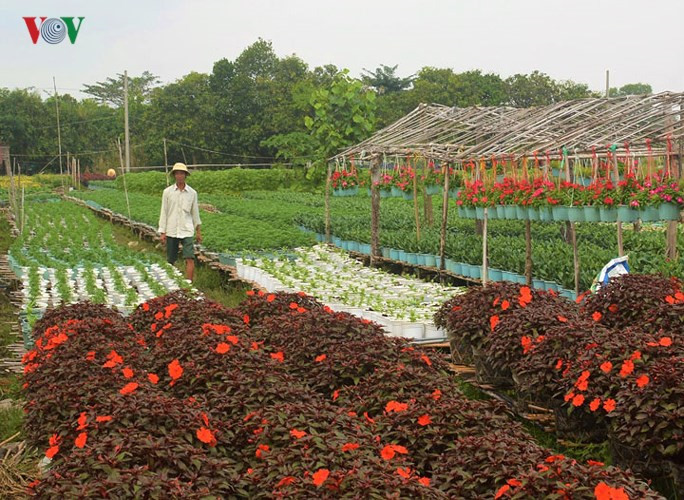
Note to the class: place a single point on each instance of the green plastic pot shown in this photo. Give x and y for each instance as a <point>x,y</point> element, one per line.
<point>461,212</point>
<point>385,193</point>
<point>550,285</point>
<point>396,192</point>
<point>470,212</point>
<point>627,214</point>
<point>402,255</point>
<point>509,212</point>
<point>608,214</point>
<point>520,212</point>
<point>412,258</point>
<point>508,276</point>
<point>576,214</point>
<point>457,268</point>
<point>533,213</point>
<point>408,195</point>
<point>650,214</point>
<point>386,252</point>
<point>545,214</point>
<point>430,260</point>
<point>669,211</point>
<point>430,190</point>
<point>394,254</point>
<point>492,213</point>
<point>592,214</point>
<point>500,212</point>
<point>475,272</point>
<point>479,213</point>
<point>421,259</point>
<point>536,283</point>
<point>495,274</point>
<point>560,213</point>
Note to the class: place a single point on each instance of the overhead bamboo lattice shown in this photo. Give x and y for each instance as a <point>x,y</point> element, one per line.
<point>580,130</point>
<point>637,125</point>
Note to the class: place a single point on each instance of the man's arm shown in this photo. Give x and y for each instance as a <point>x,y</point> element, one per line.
<point>196,220</point>
<point>162,219</point>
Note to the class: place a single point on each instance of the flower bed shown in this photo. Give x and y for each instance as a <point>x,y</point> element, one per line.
<point>612,367</point>
<point>281,397</point>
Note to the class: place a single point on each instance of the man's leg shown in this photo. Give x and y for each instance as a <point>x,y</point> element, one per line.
<point>189,269</point>
<point>189,256</point>
<point>171,250</point>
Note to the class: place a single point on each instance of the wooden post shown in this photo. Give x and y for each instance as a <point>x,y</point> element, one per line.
<point>126,131</point>
<point>573,237</point>
<point>327,203</point>
<point>616,173</point>
<point>59,133</point>
<point>375,209</point>
<point>415,202</point>
<point>427,202</point>
<point>121,163</point>
<point>445,212</point>
<point>484,248</point>
<point>528,253</point>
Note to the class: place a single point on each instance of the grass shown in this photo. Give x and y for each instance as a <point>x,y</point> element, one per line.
<point>11,421</point>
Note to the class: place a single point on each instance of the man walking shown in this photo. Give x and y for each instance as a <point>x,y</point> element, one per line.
<point>180,220</point>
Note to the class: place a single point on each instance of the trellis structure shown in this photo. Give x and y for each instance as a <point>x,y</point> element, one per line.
<point>632,127</point>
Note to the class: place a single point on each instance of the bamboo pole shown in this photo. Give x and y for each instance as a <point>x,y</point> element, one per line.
<point>121,164</point>
<point>166,164</point>
<point>484,248</point>
<point>445,213</point>
<point>327,203</point>
<point>616,173</point>
<point>415,203</point>
<point>573,237</point>
<point>528,253</point>
<point>375,209</point>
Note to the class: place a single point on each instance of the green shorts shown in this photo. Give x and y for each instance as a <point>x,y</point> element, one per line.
<point>172,248</point>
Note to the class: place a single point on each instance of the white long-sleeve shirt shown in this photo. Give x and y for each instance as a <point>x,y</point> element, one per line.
<point>179,212</point>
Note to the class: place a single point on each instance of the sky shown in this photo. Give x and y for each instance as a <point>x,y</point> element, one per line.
<point>637,41</point>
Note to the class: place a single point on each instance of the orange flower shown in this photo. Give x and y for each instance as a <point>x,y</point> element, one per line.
<point>562,319</point>
<point>500,492</point>
<point>594,463</point>
<point>270,298</point>
<point>642,381</point>
<point>89,357</point>
<point>426,360</point>
<point>245,319</point>
<point>261,449</point>
<point>605,492</point>
<point>152,378</point>
<point>103,418</point>
<point>436,394</point>
<point>526,343</point>
<point>569,396</point>
<point>596,316</point>
<point>493,321</point>
<point>404,472</point>
<point>554,458</point>
<point>496,301</point>
<point>424,420</point>
<point>175,369</point>
<point>559,364</point>
<point>368,419</point>
<point>635,355</point>
<point>395,406</point>
<point>278,356</point>
<point>250,293</point>
<point>578,400</point>
<point>82,419</point>
<point>297,433</point>
<point>128,388</point>
<point>582,385</point>
<point>596,402</point>
<point>514,482</point>
<point>293,305</point>
<point>350,446</point>
<point>206,436</point>
<point>222,348</point>
<point>51,451</point>
<point>627,368</point>
<point>613,308</point>
<point>146,306</point>
<point>336,394</point>
<point>425,481</point>
<point>127,372</point>
<point>665,341</point>
<point>609,405</point>
<point>389,451</point>
<point>169,309</point>
<point>285,481</point>
<point>505,305</point>
<point>606,367</point>
<point>320,476</point>
<point>670,299</point>
<point>159,315</point>
<point>81,440</point>
<point>320,358</point>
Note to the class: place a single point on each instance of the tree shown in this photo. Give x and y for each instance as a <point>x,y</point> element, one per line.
<point>343,115</point>
<point>631,89</point>
<point>111,91</point>
<point>385,81</point>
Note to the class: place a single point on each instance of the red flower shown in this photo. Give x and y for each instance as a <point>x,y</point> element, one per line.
<point>424,420</point>
<point>222,348</point>
<point>505,305</point>
<point>206,436</point>
<point>103,418</point>
<point>593,406</point>
<point>51,451</point>
<point>232,339</point>
<point>526,343</point>
<point>665,341</point>
<point>152,378</point>
<point>605,492</point>
<point>562,319</point>
<point>82,419</point>
<point>146,306</point>
<point>278,356</point>
<point>642,381</point>
<point>597,316</point>
<point>426,360</point>
<point>606,367</point>
<point>594,463</point>
<point>395,406</point>
<point>250,293</point>
<point>245,319</point>
<point>294,305</point>
<point>514,482</point>
<point>127,372</point>
<point>350,446</point>
<point>436,394</point>
<point>175,369</point>
<point>261,449</point>
<point>285,481</point>
<point>81,440</point>
<point>559,364</point>
<point>128,388</point>
<point>389,451</point>
<point>493,321</point>
<point>500,492</point>
<point>89,357</point>
<point>320,476</point>
<point>270,298</point>
<point>627,368</point>
<point>297,433</point>
<point>609,405</point>
<point>159,315</point>
<point>404,472</point>
<point>613,308</point>
<point>578,400</point>
<point>336,394</point>
<point>320,358</point>
<point>425,481</point>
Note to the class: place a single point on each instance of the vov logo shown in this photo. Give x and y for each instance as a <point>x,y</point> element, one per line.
<point>53,30</point>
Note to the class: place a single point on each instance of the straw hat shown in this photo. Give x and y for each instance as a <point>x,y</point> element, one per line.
<point>180,167</point>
